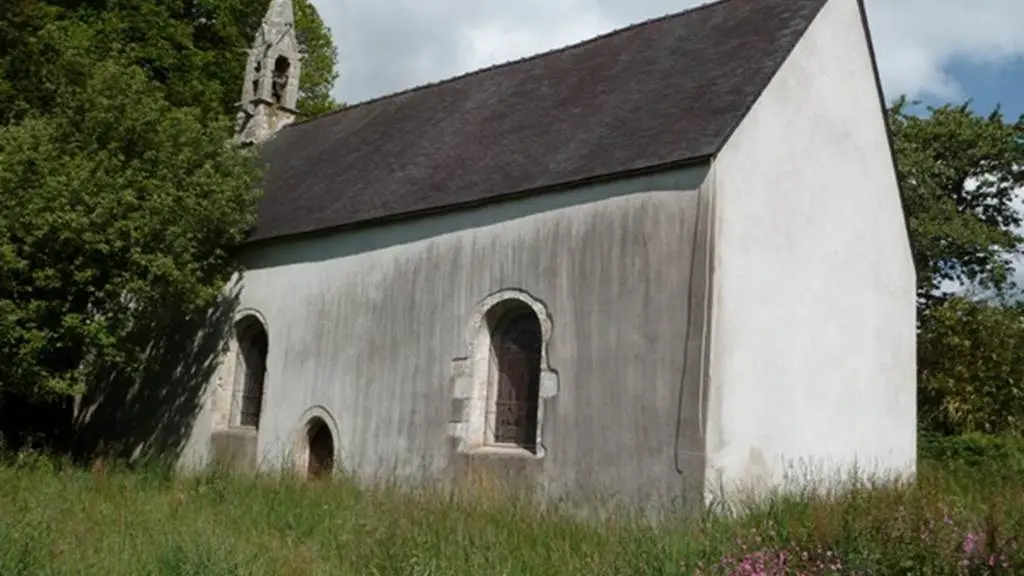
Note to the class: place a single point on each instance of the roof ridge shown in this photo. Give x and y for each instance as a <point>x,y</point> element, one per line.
<point>509,63</point>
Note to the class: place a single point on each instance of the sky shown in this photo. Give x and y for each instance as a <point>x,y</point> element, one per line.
<point>934,50</point>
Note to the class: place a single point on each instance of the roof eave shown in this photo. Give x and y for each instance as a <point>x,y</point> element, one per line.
<point>410,215</point>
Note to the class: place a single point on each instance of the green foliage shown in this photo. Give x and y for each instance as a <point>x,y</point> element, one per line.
<point>114,209</point>
<point>29,47</point>
<point>319,62</point>
<point>121,199</point>
<point>193,49</point>
<point>959,172</point>
<point>987,454</point>
<point>971,367</point>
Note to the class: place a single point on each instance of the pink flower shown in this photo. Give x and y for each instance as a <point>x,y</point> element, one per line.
<point>970,543</point>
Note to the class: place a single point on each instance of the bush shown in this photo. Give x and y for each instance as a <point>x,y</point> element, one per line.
<point>990,454</point>
<point>970,361</point>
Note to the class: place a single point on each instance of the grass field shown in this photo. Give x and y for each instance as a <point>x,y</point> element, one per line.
<point>57,519</point>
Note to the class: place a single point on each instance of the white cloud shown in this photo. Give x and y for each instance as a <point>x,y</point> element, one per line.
<point>389,45</point>
<point>914,39</point>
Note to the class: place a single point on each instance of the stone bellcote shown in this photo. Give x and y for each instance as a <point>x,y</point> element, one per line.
<point>271,87</point>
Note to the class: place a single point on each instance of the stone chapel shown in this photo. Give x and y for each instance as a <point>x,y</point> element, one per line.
<point>663,263</point>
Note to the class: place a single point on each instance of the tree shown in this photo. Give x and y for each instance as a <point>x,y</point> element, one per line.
<point>971,367</point>
<point>122,201</point>
<point>114,207</point>
<point>25,38</point>
<point>319,64</point>
<point>960,172</point>
<point>194,49</point>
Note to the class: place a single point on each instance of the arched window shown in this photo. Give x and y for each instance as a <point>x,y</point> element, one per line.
<point>515,370</point>
<point>316,444</point>
<point>280,79</point>
<point>320,462</point>
<point>250,371</point>
<point>500,388</point>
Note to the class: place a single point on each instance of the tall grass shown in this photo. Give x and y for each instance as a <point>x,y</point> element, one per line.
<point>57,519</point>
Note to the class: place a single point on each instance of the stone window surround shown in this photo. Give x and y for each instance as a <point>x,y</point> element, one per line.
<point>226,402</point>
<point>474,386</point>
<point>300,437</point>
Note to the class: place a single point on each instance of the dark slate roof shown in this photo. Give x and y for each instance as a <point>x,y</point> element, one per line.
<point>662,92</point>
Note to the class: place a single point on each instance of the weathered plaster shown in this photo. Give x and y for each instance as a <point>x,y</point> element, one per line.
<point>813,325</point>
<point>365,323</point>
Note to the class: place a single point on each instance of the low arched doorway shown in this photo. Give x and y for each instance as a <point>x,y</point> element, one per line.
<point>320,442</point>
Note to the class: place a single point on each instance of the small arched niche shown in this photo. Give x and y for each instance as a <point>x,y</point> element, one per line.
<point>316,447</point>
<point>320,449</point>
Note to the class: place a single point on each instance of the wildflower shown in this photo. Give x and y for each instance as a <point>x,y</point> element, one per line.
<point>970,543</point>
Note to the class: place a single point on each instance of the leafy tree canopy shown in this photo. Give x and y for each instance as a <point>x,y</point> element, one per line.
<point>120,195</point>
<point>319,64</point>
<point>193,49</point>
<point>971,367</point>
<point>960,172</point>
<point>118,207</point>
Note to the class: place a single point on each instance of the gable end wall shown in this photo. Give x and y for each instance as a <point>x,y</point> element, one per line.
<point>813,327</point>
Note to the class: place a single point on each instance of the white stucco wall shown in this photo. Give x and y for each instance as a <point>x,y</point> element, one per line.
<point>813,324</point>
